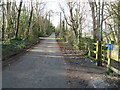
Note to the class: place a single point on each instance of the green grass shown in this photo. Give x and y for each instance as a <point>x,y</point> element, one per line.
<point>16,44</point>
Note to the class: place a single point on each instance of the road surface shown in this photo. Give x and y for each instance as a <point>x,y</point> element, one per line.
<point>42,67</point>
<point>45,66</point>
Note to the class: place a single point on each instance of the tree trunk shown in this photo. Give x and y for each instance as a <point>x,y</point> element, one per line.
<point>3,23</point>
<point>102,21</point>
<point>30,19</point>
<point>119,23</point>
<point>60,20</point>
<point>8,18</point>
<point>95,33</point>
<point>18,19</point>
<point>98,24</point>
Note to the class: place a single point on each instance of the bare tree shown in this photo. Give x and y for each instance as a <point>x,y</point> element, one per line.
<point>93,6</point>
<point>113,9</point>
<point>74,20</point>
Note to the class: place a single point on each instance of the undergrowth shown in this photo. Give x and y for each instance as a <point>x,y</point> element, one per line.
<point>16,44</point>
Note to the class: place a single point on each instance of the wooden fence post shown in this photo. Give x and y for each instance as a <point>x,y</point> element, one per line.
<point>109,59</point>
<point>99,53</point>
<point>118,52</point>
<point>89,52</point>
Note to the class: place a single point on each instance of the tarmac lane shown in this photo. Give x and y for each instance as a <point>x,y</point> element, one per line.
<point>43,66</point>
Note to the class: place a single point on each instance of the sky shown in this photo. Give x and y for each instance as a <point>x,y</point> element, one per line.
<point>54,6</point>
<point>50,5</point>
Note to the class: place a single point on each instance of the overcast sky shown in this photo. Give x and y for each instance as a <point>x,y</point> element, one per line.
<point>54,6</point>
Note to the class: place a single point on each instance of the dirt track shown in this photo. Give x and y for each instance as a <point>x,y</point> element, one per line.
<point>45,66</point>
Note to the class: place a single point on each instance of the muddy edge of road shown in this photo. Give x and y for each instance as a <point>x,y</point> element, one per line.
<point>82,72</point>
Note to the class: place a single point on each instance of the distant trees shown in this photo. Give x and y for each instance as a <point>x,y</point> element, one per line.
<point>22,24</point>
<point>105,21</point>
<point>24,21</point>
<point>74,21</point>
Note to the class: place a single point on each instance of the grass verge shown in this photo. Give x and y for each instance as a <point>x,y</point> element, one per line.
<point>15,46</point>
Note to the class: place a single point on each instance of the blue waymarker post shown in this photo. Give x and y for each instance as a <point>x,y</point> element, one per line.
<point>110,46</point>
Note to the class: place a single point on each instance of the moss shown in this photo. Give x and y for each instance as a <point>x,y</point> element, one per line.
<point>107,72</point>
<point>118,82</point>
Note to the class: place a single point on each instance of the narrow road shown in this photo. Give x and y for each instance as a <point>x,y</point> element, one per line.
<point>42,67</point>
